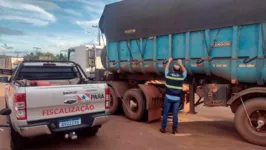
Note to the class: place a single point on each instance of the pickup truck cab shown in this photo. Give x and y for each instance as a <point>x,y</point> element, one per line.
<point>49,97</point>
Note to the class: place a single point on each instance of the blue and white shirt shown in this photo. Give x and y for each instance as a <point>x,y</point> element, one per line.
<point>174,98</point>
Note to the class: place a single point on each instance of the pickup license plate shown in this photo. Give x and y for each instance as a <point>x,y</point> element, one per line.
<point>69,122</point>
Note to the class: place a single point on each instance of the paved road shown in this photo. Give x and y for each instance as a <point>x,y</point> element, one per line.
<point>211,128</point>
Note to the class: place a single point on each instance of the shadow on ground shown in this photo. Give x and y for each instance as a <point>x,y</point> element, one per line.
<point>204,134</point>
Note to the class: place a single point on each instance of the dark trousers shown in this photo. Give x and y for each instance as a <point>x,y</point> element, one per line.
<point>175,109</point>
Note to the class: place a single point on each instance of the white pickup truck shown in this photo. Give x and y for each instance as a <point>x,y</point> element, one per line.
<point>49,97</point>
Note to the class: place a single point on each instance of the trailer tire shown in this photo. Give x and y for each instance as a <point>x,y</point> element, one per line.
<point>243,125</point>
<point>115,102</point>
<point>137,96</point>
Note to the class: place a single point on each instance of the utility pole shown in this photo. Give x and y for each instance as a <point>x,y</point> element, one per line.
<point>37,49</point>
<point>62,54</point>
<point>99,33</point>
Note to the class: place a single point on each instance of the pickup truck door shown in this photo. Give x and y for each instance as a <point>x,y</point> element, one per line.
<point>61,101</point>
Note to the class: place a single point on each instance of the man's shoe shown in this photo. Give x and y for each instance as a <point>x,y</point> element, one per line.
<point>175,131</point>
<point>163,130</point>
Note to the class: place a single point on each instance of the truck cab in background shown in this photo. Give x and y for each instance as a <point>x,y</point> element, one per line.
<point>8,64</point>
<point>91,63</point>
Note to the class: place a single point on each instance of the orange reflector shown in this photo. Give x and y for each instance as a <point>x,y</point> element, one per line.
<point>233,81</point>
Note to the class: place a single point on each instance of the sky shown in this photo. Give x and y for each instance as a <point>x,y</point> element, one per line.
<point>52,25</point>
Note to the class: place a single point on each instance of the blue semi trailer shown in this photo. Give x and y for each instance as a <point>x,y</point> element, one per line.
<point>221,43</point>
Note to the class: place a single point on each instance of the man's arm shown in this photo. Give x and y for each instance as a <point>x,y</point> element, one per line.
<point>168,63</point>
<point>183,68</point>
<point>167,66</point>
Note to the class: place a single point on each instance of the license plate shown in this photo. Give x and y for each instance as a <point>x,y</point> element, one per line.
<point>69,122</point>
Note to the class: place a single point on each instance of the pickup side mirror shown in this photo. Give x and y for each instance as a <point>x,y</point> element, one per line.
<point>3,79</point>
<point>5,112</point>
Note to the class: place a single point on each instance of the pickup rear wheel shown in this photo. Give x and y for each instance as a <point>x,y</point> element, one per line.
<point>250,121</point>
<point>91,131</point>
<point>115,103</point>
<point>134,104</point>
<point>17,142</point>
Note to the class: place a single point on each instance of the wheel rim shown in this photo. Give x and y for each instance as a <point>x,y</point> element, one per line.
<point>257,122</point>
<point>132,105</point>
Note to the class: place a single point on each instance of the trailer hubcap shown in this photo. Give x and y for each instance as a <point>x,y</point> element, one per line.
<point>260,123</point>
<point>257,123</point>
<point>133,105</point>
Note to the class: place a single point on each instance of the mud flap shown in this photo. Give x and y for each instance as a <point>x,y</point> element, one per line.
<point>154,101</point>
<point>119,87</point>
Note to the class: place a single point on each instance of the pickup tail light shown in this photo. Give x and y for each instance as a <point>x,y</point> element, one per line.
<point>107,98</point>
<point>20,106</point>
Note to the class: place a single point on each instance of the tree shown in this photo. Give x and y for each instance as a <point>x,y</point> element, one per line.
<point>47,55</point>
<point>61,57</point>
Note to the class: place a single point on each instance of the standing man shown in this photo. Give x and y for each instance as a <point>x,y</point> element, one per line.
<point>173,91</point>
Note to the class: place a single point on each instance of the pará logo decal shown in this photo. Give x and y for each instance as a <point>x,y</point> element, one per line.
<point>87,97</point>
<point>97,96</point>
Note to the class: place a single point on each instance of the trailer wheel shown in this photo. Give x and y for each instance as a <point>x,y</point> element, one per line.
<point>134,104</point>
<point>115,103</point>
<point>253,130</point>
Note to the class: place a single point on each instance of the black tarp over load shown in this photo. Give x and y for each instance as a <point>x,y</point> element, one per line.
<point>131,19</point>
